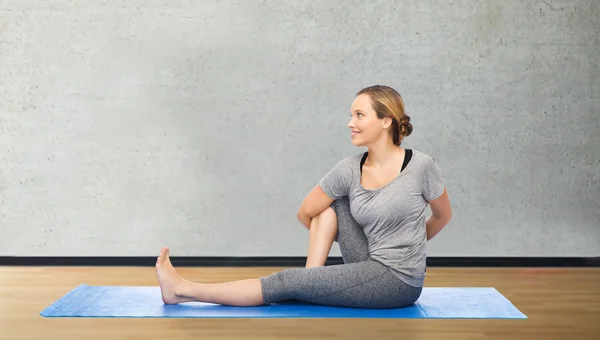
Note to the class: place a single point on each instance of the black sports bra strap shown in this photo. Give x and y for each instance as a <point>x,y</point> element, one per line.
<point>407,157</point>
<point>362,161</point>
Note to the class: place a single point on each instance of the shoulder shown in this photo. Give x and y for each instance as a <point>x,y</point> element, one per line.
<point>347,166</point>
<point>338,181</point>
<point>429,176</point>
<point>352,161</point>
<point>425,165</point>
<point>423,159</point>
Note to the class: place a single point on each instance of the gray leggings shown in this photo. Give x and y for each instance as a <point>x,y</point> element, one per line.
<point>360,282</point>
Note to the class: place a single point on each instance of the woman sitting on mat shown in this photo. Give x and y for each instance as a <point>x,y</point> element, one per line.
<point>372,204</point>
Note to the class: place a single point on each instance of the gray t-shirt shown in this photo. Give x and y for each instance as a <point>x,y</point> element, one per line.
<point>393,216</point>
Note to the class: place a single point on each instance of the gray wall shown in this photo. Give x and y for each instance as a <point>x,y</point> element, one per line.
<point>129,125</point>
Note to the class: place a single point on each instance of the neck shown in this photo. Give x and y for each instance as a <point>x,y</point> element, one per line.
<point>382,153</point>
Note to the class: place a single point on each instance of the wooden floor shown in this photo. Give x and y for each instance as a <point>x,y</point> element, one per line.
<point>560,303</point>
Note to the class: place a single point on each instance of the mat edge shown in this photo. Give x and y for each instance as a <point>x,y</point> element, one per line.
<point>63,297</point>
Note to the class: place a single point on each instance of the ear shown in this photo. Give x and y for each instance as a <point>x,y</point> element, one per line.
<point>387,122</point>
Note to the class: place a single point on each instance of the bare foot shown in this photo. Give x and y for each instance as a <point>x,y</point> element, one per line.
<point>168,278</point>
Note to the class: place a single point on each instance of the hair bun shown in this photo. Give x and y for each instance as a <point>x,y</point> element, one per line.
<point>406,127</point>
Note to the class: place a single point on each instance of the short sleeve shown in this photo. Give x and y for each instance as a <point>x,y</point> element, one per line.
<point>336,183</point>
<point>432,182</point>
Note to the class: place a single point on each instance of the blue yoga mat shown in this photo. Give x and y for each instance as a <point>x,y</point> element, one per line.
<point>146,302</point>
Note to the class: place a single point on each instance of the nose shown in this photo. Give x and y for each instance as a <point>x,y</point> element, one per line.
<point>351,123</point>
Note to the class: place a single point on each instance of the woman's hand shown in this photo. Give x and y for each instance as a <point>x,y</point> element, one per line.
<point>442,213</point>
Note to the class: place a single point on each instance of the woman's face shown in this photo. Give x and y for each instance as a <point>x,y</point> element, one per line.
<point>364,125</point>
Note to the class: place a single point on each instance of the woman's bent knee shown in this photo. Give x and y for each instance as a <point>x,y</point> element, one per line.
<point>328,214</point>
<point>327,218</point>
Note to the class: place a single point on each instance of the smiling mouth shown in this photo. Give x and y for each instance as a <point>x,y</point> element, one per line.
<point>354,133</point>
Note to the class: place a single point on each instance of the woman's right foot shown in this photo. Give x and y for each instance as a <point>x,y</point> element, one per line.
<point>168,278</point>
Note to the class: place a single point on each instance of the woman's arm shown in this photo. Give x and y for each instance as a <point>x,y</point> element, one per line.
<point>313,204</point>
<point>442,213</point>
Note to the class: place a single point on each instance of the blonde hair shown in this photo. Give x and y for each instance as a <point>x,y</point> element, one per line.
<point>387,102</point>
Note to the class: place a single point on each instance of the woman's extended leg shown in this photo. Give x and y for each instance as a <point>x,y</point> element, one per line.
<point>366,284</point>
<point>176,289</point>
<point>360,282</point>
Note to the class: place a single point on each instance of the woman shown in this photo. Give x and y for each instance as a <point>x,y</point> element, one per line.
<point>373,204</point>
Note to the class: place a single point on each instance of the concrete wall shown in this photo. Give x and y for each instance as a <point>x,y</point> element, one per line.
<point>129,125</point>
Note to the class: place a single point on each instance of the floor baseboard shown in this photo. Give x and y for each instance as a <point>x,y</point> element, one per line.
<point>293,261</point>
